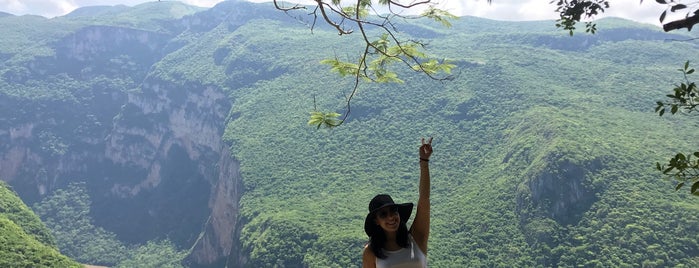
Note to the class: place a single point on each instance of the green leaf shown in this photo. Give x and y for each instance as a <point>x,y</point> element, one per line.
<point>680,156</point>
<point>679,185</point>
<point>439,15</point>
<point>667,170</point>
<point>341,67</point>
<point>319,119</point>
<point>662,15</point>
<point>695,186</point>
<point>381,44</point>
<point>657,108</point>
<point>316,118</point>
<point>387,76</point>
<point>350,11</point>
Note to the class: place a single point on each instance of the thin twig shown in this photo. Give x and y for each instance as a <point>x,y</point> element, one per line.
<point>297,6</point>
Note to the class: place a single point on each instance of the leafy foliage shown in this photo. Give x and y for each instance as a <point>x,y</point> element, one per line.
<point>16,211</point>
<point>690,19</point>
<point>682,168</point>
<point>379,54</point>
<point>571,13</point>
<point>67,213</point>
<point>155,254</point>
<point>324,119</point>
<point>514,116</point>
<point>17,249</point>
<point>686,96</point>
<point>24,240</point>
<point>575,11</point>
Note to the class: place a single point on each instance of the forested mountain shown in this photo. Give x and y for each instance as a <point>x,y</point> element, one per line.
<point>25,240</point>
<point>176,135</point>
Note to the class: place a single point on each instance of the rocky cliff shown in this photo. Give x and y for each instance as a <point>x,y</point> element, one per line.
<point>150,150</point>
<point>172,135</point>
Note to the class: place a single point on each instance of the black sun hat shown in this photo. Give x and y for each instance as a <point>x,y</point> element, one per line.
<point>382,201</point>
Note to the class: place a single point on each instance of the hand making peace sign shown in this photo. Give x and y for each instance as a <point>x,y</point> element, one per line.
<point>426,149</point>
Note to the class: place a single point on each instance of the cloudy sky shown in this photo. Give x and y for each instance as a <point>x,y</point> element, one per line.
<point>648,11</point>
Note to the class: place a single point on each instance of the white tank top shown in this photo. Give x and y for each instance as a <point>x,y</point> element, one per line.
<point>410,257</point>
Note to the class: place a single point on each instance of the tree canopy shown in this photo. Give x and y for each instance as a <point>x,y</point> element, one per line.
<point>381,51</point>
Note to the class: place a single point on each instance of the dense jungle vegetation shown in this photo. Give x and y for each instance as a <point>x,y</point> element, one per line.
<point>544,144</point>
<point>529,106</point>
<point>25,240</point>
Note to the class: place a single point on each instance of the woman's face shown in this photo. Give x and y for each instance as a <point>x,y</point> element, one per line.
<point>388,218</point>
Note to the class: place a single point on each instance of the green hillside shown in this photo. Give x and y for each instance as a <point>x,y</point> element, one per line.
<point>538,113</point>
<point>24,239</point>
<point>544,144</point>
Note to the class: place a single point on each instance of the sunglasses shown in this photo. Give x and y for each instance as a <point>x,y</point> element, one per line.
<point>383,213</point>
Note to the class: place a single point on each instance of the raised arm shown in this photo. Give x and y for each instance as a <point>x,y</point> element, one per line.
<point>421,225</point>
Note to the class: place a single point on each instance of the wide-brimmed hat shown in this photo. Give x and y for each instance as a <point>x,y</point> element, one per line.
<point>382,201</point>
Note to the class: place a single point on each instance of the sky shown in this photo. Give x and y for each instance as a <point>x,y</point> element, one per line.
<point>647,11</point>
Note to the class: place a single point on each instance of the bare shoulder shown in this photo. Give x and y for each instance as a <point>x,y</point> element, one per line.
<point>368,258</point>
<point>367,251</point>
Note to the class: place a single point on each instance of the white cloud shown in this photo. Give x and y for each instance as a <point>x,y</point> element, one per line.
<point>12,5</point>
<point>36,7</point>
<point>513,10</point>
<point>518,10</point>
<point>510,9</point>
<point>53,8</point>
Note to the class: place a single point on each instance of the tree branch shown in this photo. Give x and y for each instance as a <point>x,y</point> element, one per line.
<point>328,20</point>
<point>386,50</point>
<point>296,6</point>
<point>687,22</point>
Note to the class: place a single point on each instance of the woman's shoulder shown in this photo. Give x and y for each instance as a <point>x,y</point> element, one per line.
<point>367,249</point>
<point>368,257</point>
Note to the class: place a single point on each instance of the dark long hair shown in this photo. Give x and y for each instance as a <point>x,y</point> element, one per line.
<point>378,240</point>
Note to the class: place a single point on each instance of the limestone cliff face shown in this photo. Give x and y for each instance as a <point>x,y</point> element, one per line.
<point>162,116</point>
<point>49,142</point>
<point>218,239</point>
<point>163,128</point>
<point>150,151</point>
<point>16,157</point>
<point>562,192</point>
<point>554,196</point>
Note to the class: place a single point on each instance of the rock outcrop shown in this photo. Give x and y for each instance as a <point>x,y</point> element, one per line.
<point>150,151</point>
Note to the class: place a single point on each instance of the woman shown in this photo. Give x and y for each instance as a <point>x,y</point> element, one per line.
<point>391,244</point>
